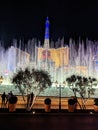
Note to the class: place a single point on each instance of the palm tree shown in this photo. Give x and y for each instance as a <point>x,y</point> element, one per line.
<point>31,81</point>
<point>82,86</point>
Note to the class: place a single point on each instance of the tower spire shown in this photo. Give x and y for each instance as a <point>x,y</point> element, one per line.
<point>46,38</point>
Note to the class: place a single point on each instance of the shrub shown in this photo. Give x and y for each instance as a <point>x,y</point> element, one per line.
<point>47,101</point>
<point>13,100</point>
<point>71,101</point>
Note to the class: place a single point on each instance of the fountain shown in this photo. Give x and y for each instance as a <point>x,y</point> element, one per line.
<point>83,59</point>
<point>59,60</point>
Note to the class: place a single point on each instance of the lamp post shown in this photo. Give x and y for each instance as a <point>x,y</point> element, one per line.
<point>60,87</point>
<point>59,97</point>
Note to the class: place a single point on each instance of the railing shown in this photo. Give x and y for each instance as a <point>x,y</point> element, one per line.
<point>39,103</point>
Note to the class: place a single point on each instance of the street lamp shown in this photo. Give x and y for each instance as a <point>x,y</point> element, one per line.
<point>60,86</point>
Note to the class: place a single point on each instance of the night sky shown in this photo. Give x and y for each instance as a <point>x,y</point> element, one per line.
<point>68,19</point>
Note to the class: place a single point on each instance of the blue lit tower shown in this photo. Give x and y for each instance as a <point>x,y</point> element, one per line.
<point>46,39</point>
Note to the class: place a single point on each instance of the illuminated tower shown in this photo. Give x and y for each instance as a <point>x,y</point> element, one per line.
<point>57,56</point>
<point>46,40</point>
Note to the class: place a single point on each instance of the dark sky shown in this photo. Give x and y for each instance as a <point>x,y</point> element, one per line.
<point>68,18</point>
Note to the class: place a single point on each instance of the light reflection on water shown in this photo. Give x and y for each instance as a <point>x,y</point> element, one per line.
<point>51,91</point>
